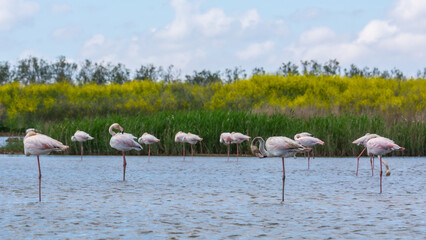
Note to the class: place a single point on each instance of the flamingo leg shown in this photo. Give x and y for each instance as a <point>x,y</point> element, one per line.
<point>372,167</point>
<point>39,179</point>
<point>228,153</point>
<point>237,152</point>
<point>282,201</point>
<point>192,153</point>
<point>373,162</point>
<point>81,146</point>
<point>357,161</point>
<point>381,173</point>
<point>124,167</point>
<point>183,144</point>
<point>149,151</point>
<point>308,160</point>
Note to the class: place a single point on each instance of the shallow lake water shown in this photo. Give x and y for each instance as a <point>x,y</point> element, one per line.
<point>210,198</point>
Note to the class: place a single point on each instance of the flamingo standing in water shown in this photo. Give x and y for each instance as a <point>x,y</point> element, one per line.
<point>192,139</point>
<point>148,139</point>
<point>123,142</point>
<point>307,140</point>
<point>380,146</point>
<point>277,147</point>
<point>363,141</point>
<point>40,144</point>
<point>81,137</point>
<point>180,137</point>
<point>239,138</point>
<point>226,138</point>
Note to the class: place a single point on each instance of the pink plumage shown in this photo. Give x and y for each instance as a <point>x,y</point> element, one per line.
<point>123,142</point>
<point>307,140</point>
<point>381,146</point>
<point>148,139</point>
<point>238,138</point>
<point>40,144</point>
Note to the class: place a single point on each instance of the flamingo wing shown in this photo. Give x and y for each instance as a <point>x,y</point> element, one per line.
<point>309,141</point>
<point>124,142</point>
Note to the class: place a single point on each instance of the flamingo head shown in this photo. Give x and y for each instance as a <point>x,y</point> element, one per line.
<point>255,150</point>
<point>73,139</point>
<point>117,126</point>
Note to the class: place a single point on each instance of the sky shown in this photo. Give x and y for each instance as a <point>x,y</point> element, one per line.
<point>194,35</point>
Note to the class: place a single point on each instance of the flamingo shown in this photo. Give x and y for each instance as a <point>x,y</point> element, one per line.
<point>40,144</point>
<point>148,139</point>
<point>363,141</point>
<point>380,146</point>
<point>123,142</point>
<point>81,137</point>
<point>225,138</point>
<point>192,139</point>
<point>307,140</point>
<point>180,137</point>
<point>239,138</point>
<point>277,147</point>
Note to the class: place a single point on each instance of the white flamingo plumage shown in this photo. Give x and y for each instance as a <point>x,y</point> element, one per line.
<point>307,140</point>
<point>180,137</point>
<point>380,146</point>
<point>81,136</point>
<point>277,147</point>
<point>363,141</point>
<point>226,138</point>
<point>123,142</point>
<point>149,139</point>
<point>40,144</point>
<point>239,138</point>
<point>192,139</point>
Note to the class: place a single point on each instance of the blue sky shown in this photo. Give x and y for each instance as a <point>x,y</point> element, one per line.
<point>214,35</point>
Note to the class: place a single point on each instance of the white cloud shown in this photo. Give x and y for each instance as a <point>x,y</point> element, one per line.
<point>213,22</point>
<point>250,19</point>
<point>317,35</point>
<point>66,33</point>
<point>60,8</point>
<point>375,31</point>
<point>255,50</point>
<point>15,12</point>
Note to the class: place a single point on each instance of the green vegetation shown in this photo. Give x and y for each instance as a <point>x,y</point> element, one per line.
<point>336,131</point>
<point>306,96</point>
<point>59,98</point>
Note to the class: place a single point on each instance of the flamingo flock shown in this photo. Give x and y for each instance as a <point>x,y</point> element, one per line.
<point>277,146</point>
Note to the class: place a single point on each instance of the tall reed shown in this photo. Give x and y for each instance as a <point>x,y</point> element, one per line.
<point>337,131</point>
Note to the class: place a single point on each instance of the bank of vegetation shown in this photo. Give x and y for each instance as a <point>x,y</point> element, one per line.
<point>319,99</point>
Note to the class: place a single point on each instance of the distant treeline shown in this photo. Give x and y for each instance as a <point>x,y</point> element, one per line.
<point>35,70</point>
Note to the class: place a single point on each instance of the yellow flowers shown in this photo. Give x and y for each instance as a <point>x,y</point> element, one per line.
<point>355,95</point>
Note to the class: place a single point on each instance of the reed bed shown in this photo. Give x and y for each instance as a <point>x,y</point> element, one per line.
<point>337,131</point>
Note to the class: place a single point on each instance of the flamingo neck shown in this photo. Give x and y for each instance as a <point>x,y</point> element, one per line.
<point>110,131</point>
<point>261,148</point>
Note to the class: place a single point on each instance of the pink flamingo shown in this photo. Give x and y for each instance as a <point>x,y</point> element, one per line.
<point>192,139</point>
<point>277,147</point>
<point>363,141</point>
<point>180,137</point>
<point>81,137</point>
<point>226,138</point>
<point>307,140</point>
<point>40,144</point>
<point>123,142</point>
<point>239,138</point>
<point>380,146</point>
<point>148,139</point>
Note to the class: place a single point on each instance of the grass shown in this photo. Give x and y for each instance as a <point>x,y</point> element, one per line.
<point>337,131</point>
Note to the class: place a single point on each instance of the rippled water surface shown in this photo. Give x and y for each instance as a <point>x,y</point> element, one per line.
<point>209,198</point>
